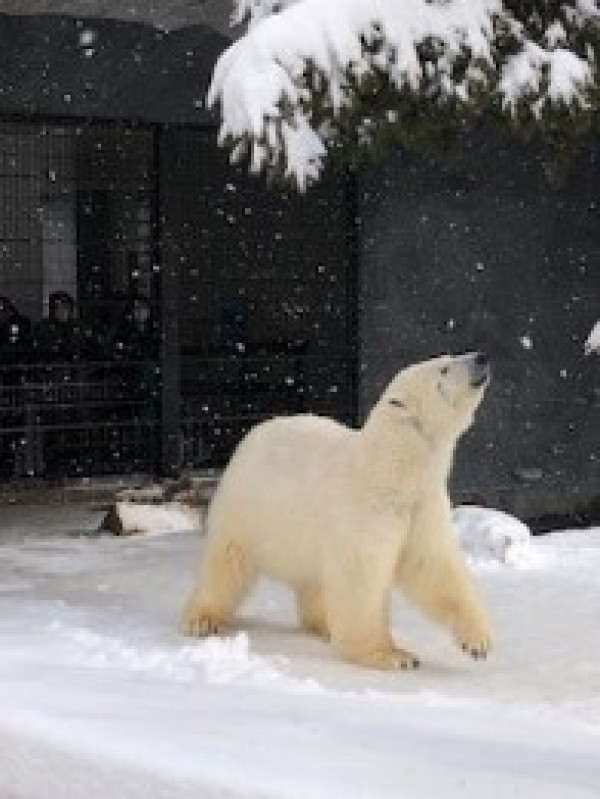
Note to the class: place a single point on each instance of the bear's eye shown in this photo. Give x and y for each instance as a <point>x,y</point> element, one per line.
<point>397,403</point>
<point>444,370</point>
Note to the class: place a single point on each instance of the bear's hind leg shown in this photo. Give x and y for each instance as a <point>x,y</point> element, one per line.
<point>227,574</point>
<point>311,610</point>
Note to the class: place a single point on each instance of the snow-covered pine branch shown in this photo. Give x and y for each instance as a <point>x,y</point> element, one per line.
<point>252,11</point>
<point>592,343</point>
<point>289,88</point>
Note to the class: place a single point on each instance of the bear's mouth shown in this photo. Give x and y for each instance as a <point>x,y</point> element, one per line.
<point>480,370</point>
<point>481,378</point>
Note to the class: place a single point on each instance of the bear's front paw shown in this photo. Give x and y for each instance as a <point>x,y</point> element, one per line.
<point>477,651</point>
<point>199,622</point>
<point>389,659</point>
<point>474,639</point>
<point>405,660</point>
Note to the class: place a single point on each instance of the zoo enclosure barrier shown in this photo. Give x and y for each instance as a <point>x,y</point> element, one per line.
<point>64,420</point>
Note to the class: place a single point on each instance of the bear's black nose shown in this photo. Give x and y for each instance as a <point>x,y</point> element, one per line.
<point>480,369</point>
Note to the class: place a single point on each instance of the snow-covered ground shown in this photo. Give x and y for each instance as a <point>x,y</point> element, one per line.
<point>101,697</point>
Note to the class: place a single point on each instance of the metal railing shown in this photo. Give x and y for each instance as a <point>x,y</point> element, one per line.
<point>224,395</point>
<point>82,419</point>
<point>60,419</point>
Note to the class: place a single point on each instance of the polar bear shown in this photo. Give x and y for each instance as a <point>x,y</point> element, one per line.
<point>342,516</point>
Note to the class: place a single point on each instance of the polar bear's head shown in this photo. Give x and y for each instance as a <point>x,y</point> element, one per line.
<point>437,398</point>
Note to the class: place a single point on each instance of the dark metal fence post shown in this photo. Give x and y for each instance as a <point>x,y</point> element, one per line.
<point>350,187</point>
<point>170,407</point>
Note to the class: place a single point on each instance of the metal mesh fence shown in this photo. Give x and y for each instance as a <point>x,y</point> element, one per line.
<point>78,338</point>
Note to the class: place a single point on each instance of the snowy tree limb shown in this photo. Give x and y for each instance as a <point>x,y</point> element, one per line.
<point>286,86</point>
<point>592,343</point>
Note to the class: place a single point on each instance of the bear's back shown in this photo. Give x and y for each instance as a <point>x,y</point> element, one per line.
<point>277,489</point>
<point>280,462</point>
<point>293,444</point>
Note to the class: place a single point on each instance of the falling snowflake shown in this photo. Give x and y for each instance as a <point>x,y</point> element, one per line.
<point>87,37</point>
<point>526,342</point>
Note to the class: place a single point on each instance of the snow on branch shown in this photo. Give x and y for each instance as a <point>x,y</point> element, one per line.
<point>592,343</point>
<point>284,85</point>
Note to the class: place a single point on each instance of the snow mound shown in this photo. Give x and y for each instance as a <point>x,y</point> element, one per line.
<point>216,661</point>
<point>572,550</point>
<point>491,536</point>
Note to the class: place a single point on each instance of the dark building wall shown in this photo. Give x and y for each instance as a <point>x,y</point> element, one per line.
<point>485,253</point>
<point>105,69</point>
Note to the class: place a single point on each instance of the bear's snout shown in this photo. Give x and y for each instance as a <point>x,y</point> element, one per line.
<point>480,369</point>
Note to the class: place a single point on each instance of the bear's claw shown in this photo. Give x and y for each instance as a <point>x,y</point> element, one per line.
<point>405,660</point>
<point>412,664</point>
<point>477,653</point>
<point>396,659</point>
<point>473,636</point>
<point>201,625</point>
<point>392,659</point>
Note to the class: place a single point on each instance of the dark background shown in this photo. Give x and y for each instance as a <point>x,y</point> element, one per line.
<point>484,252</point>
<point>368,272</point>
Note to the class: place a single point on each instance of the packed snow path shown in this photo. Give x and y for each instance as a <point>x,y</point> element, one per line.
<point>100,696</point>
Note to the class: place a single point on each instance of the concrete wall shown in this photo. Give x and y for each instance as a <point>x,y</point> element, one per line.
<point>484,253</point>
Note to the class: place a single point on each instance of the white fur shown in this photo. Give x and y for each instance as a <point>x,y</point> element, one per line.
<point>343,515</point>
